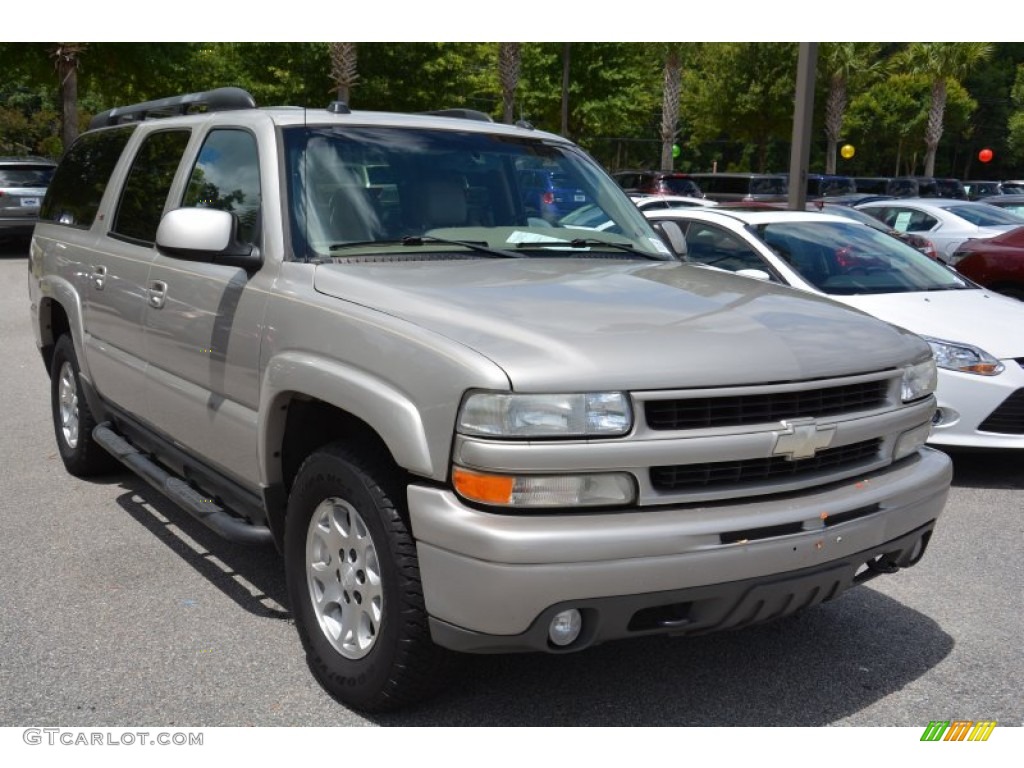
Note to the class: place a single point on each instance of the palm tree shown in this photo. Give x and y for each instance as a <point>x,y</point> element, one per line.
<point>343,68</point>
<point>67,60</point>
<point>673,84</point>
<point>941,62</point>
<point>509,58</point>
<point>840,63</point>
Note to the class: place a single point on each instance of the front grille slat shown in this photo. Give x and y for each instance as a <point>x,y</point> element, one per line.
<point>761,408</point>
<point>716,474</point>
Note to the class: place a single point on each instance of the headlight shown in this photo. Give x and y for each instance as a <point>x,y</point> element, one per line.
<point>919,380</point>
<point>592,414</point>
<point>964,358</point>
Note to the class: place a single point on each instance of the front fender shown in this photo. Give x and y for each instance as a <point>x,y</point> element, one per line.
<point>386,409</point>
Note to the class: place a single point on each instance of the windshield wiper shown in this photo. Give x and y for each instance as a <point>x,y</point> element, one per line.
<point>587,242</point>
<point>417,240</point>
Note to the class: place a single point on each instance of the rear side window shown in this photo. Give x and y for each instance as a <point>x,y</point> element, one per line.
<point>226,176</point>
<point>74,194</point>
<point>145,190</point>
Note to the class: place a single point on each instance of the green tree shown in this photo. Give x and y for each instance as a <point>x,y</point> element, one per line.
<point>942,63</point>
<point>673,85</point>
<point>839,64</point>
<point>344,69</point>
<point>1015,122</point>
<point>889,119</point>
<point>742,92</point>
<point>510,57</point>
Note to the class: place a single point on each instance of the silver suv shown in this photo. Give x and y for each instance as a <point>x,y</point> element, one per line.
<point>466,427</point>
<point>23,182</point>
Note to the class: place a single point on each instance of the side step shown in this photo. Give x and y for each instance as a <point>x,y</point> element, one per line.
<point>205,510</point>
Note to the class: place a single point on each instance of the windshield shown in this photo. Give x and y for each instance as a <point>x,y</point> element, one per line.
<point>984,215</point>
<point>844,259</point>
<point>369,190</point>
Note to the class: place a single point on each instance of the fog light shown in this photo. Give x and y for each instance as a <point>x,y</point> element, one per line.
<point>565,627</point>
<point>911,440</point>
<point>945,417</point>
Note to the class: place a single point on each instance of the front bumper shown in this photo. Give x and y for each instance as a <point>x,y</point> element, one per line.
<point>491,581</point>
<point>966,401</point>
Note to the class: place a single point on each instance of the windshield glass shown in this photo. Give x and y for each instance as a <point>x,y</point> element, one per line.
<point>844,259</point>
<point>984,215</point>
<point>361,189</point>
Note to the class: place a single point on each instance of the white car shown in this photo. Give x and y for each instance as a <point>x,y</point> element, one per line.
<point>661,202</point>
<point>946,222</point>
<point>975,334</point>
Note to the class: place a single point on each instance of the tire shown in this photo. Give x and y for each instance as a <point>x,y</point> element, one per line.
<point>353,583</point>
<point>73,422</point>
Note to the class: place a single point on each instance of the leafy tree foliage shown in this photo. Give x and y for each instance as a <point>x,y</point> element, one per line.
<point>735,105</point>
<point>740,95</point>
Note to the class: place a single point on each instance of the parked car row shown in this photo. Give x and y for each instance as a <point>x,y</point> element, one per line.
<point>928,186</point>
<point>733,187</point>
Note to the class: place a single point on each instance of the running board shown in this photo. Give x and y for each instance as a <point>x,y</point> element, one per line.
<point>206,510</point>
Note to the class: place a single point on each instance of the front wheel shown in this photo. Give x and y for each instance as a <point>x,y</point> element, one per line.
<point>73,422</point>
<point>353,582</point>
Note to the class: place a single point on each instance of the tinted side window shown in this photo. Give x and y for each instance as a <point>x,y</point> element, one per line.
<point>149,180</point>
<point>74,194</point>
<point>733,185</point>
<point>226,176</point>
<point>710,245</point>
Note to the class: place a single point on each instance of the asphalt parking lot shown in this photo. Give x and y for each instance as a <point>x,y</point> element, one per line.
<point>119,609</point>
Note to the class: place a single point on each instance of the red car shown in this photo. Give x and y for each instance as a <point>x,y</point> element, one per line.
<point>996,263</point>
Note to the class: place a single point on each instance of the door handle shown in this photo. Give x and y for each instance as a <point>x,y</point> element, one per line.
<point>99,277</point>
<point>157,293</point>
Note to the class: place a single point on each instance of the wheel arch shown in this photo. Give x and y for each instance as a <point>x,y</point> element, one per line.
<point>60,312</point>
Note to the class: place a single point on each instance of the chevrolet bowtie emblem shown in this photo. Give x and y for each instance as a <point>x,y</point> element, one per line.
<point>802,439</point>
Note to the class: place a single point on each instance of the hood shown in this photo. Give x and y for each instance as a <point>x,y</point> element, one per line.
<point>982,318</point>
<point>583,324</point>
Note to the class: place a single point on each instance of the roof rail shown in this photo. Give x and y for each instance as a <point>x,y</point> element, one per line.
<point>465,114</point>
<point>217,100</point>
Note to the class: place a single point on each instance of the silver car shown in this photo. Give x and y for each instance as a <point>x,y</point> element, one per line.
<point>946,222</point>
<point>23,182</point>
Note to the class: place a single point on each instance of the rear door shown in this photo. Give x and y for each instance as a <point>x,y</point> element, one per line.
<point>117,269</point>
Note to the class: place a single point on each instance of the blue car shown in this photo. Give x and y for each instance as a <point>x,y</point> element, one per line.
<point>550,194</point>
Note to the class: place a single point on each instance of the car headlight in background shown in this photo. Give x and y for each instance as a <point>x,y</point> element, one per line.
<point>589,414</point>
<point>919,380</point>
<point>965,358</point>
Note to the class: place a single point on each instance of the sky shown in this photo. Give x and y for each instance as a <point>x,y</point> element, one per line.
<point>473,20</point>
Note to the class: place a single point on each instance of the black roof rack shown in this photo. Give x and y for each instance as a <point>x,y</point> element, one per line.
<point>465,114</point>
<point>217,100</point>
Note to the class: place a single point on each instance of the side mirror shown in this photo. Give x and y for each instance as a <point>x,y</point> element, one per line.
<point>672,234</point>
<point>205,234</point>
<point>757,274</point>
